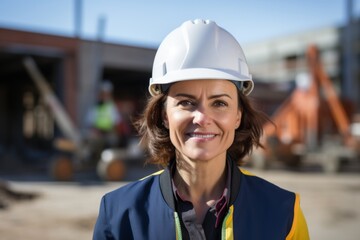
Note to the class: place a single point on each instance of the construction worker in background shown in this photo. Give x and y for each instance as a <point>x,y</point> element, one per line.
<point>104,117</point>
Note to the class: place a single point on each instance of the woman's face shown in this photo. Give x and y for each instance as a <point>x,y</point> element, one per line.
<point>202,116</point>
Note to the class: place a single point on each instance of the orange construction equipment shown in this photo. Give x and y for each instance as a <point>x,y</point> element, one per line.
<point>311,123</point>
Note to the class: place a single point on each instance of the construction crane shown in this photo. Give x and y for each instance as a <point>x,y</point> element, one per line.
<point>311,125</point>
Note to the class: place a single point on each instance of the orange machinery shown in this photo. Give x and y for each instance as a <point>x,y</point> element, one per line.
<point>311,124</point>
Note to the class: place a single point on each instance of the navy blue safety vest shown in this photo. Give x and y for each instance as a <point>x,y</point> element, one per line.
<point>258,210</point>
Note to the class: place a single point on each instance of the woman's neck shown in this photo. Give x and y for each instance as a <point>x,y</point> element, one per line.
<point>200,182</point>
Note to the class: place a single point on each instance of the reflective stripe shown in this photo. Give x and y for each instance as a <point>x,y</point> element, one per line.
<point>246,172</point>
<point>227,231</point>
<point>156,173</point>
<point>294,224</point>
<point>299,230</point>
<point>177,227</point>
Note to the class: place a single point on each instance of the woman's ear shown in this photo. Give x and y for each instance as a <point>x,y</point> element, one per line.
<point>238,120</point>
<point>165,121</point>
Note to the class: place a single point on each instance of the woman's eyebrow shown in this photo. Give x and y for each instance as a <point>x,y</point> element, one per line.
<point>211,97</point>
<point>220,95</point>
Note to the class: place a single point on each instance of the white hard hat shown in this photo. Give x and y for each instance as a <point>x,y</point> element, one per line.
<point>199,49</point>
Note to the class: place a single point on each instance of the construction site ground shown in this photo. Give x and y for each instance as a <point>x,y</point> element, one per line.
<point>68,210</point>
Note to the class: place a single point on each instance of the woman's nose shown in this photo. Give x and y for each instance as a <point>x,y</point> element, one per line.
<point>201,117</point>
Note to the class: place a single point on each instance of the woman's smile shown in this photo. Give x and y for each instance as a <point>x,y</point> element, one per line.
<point>201,136</point>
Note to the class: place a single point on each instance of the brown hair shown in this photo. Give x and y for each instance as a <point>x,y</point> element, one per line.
<point>155,137</point>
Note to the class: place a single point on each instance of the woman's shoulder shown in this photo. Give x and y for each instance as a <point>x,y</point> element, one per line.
<point>263,187</point>
<point>133,190</point>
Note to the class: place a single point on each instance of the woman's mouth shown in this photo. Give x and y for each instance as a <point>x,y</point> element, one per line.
<point>201,135</point>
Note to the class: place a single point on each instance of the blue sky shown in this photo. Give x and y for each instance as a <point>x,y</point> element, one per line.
<point>147,22</point>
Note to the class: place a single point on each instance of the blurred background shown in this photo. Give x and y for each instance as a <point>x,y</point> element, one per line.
<point>74,77</point>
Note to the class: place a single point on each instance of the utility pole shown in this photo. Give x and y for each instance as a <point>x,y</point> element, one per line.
<point>78,18</point>
<point>350,84</point>
<point>98,54</point>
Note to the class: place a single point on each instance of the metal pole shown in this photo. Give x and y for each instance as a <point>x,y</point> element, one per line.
<point>78,18</point>
<point>348,85</point>
<point>98,54</point>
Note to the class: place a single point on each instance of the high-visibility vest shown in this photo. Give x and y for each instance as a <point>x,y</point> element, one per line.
<point>104,119</point>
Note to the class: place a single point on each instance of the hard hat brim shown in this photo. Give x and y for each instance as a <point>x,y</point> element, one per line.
<point>200,73</point>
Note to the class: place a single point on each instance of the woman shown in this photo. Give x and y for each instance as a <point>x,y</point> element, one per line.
<point>199,125</point>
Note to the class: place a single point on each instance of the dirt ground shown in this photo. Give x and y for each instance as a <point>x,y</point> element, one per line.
<point>67,211</point>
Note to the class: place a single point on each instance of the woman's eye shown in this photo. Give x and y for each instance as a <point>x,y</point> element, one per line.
<point>185,103</point>
<point>220,104</point>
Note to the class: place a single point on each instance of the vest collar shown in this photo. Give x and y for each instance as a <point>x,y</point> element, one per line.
<point>167,192</point>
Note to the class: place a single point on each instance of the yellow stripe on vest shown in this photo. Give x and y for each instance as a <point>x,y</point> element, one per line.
<point>299,230</point>
<point>153,174</point>
<point>227,232</point>
<point>296,210</point>
<point>246,172</point>
<point>177,227</point>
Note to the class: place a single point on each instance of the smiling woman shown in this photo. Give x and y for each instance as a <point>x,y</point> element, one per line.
<point>199,125</point>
